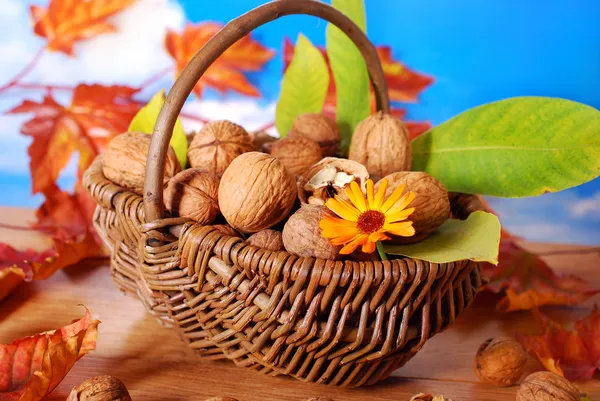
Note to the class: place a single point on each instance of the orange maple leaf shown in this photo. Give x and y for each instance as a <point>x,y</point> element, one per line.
<point>95,115</point>
<point>528,281</point>
<point>573,354</point>
<point>226,73</point>
<point>404,85</point>
<point>65,22</point>
<point>31,367</point>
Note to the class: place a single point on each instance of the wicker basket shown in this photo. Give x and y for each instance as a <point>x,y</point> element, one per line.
<point>341,323</point>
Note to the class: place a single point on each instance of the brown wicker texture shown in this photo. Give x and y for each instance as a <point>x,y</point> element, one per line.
<point>335,322</point>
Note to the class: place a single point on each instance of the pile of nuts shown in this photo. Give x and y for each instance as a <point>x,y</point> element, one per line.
<point>272,191</point>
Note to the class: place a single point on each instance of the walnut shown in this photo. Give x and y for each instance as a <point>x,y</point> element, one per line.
<point>125,161</point>
<point>428,397</point>
<point>302,234</point>
<point>381,142</point>
<point>431,203</point>
<point>547,386</point>
<point>256,192</point>
<point>261,140</point>
<point>100,388</point>
<point>192,193</point>
<point>319,128</point>
<point>328,178</point>
<point>267,239</point>
<point>217,144</point>
<point>500,362</point>
<point>296,154</point>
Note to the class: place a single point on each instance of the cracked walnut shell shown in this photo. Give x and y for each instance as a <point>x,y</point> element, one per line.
<point>381,143</point>
<point>431,203</point>
<point>318,128</point>
<point>192,193</point>
<point>500,362</point>
<point>124,161</point>
<point>217,144</point>
<point>296,154</point>
<point>256,192</point>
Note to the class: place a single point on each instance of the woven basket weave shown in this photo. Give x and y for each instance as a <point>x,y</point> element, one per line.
<point>336,322</point>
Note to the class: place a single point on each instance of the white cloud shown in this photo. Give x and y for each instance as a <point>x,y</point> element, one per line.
<point>246,112</point>
<point>586,208</point>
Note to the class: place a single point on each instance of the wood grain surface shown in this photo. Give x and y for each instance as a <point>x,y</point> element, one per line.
<point>156,365</point>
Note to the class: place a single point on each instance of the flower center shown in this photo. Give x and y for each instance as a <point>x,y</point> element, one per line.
<point>370,221</point>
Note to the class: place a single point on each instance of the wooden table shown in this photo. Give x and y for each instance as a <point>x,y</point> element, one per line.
<point>155,365</point>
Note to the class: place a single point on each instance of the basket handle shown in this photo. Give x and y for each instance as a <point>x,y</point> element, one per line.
<point>221,41</point>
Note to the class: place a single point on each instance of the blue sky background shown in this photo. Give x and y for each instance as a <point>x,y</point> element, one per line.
<point>477,51</point>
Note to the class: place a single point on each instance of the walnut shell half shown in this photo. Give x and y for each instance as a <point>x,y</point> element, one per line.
<point>313,185</point>
<point>431,203</point>
<point>381,142</point>
<point>192,193</point>
<point>217,144</point>
<point>125,161</point>
<point>256,192</point>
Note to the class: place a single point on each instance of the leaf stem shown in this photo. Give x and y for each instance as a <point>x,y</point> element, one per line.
<point>32,63</point>
<point>14,227</point>
<point>380,250</point>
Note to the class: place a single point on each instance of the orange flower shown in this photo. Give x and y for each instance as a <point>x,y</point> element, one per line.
<point>365,221</point>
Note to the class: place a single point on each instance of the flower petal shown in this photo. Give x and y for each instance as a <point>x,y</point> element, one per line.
<point>356,196</point>
<point>343,240</point>
<point>378,236</point>
<point>370,193</point>
<point>342,209</point>
<point>393,198</point>
<point>351,246</point>
<point>334,232</point>
<point>398,215</point>
<point>403,229</point>
<point>380,194</point>
<point>406,199</point>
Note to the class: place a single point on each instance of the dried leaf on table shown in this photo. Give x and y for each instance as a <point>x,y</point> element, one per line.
<point>227,72</point>
<point>529,282</point>
<point>16,266</point>
<point>31,367</point>
<point>404,85</point>
<point>65,22</point>
<point>574,353</point>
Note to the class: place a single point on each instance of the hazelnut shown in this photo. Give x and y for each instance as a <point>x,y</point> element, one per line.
<point>125,161</point>
<point>267,239</point>
<point>547,386</point>
<point>217,144</point>
<point>431,203</point>
<point>192,193</point>
<point>256,192</point>
<point>319,128</point>
<point>302,234</point>
<point>100,388</point>
<point>261,140</point>
<point>296,154</point>
<point>328,178</point>
<point>381,142</point>
<point>500,362</point>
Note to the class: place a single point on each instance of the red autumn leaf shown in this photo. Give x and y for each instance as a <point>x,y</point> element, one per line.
<point>227,72</point>
<point>31,367</point>
<point>404,85</point>
<point>95,115</point>
<point>65,22</point>
<point>16,266</point>
<point>573,354</point>
<point>528,281</point>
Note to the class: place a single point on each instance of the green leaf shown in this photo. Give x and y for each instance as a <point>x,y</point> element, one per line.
<point>145,119</point>
<point>349,72</point>
<point>476,238</point>
<point>517,147</point>
<point>304,85</point>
